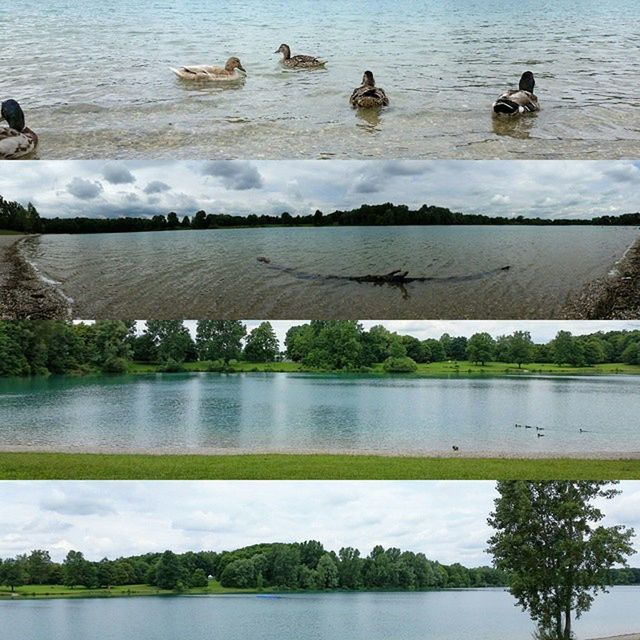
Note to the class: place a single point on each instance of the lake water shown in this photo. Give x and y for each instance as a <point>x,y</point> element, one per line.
<point>258,412</point>
<point>94,80</point>
<point>487,614</point>
<point>209,274</point>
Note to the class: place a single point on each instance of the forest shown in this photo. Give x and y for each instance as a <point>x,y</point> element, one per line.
<point>275,566</point>
<point>45,347</point>
<point>15,217</point>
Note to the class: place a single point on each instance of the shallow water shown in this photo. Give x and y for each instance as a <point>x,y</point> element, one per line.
<point>215,274</point>
<point>330,413</point>
<point>487,614</point>
<point>94,80</point>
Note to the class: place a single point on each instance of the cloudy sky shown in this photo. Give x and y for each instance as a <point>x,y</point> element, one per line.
<point>446,519</point>
<point>541,330</point>
<point>540,188</point>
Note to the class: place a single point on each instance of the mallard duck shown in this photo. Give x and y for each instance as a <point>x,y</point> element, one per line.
<point>16,140</point>
<point>520,100</point>
<point>368,95</point>
<point>232,70</point>
<point>298,62</point>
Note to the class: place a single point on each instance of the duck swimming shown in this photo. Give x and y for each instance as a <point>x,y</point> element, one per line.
<point>232,70</point>
<point>299,61</point>
<point>16,140</point>
<point>367,95</point>
<point>520,100</point>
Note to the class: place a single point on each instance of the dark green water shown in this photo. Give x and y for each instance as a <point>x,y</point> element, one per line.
<point>330,413</point>
<point>446,615</point>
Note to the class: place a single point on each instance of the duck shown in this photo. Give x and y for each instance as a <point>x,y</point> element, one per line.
<point>367,95</point>
<point>517,101</point>
<point>455,447</point>
<point>299,61</point>
<point>232,70</point>
<point>16,140</point>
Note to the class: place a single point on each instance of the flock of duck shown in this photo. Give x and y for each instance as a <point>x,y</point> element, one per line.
<point>18,141</point>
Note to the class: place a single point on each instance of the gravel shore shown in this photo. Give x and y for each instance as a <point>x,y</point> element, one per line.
<point>616,298</point>
<point>22,294</point>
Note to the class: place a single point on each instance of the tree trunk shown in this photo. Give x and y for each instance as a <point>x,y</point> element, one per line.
<point>567,623</point>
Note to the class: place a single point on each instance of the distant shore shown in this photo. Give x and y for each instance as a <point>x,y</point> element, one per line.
<point>628,636</point>
<point>23,295</point>
<point>611,298</point>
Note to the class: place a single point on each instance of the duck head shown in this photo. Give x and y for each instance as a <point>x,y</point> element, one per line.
<point>234,63</point>
<point>368,80</point>
<point>13,114</point>
<point>284,50</point>
<point>527,82</point>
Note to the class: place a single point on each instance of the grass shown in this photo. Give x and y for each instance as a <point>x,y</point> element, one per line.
<point>47,591</point>
<point>447,368</point>
<point>71,466</point>
<point>8,232</point>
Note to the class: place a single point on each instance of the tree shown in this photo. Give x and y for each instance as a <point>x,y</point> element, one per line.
<point>78,571</point>
<point>12,573</point>
<point>547,539</point>
<point>327,572</point>
<point>350,568</point>
<point>520,347</point>
<point>168,571</point>
<point>566,350</point>
<point>220,339</point>
<point>172,339</point>
<point>262,344</point>
<point>38,566</point>
<point>480,348</point>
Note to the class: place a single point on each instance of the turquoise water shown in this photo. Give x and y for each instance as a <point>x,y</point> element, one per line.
<point>208,274</point>
<point>94,79</point>
<point>487,614</point>
<point>257,412</point>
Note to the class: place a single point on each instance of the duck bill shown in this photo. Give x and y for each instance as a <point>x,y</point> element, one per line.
<point>242,69</point>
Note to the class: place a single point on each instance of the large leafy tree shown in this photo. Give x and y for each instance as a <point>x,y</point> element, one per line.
<point>548,538</point>
<point>480,348</point>
<point>220,339</point>
<point>262,344</point>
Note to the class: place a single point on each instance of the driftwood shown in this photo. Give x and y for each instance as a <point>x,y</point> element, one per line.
<point>395,277</point>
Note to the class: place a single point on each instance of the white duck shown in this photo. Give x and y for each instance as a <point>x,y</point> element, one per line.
<point>232,70</point>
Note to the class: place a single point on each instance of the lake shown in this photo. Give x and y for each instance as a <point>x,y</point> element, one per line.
<point>259,412</point>
<point>486,614</point>
<point>208,274</point>
<point>93,78</point>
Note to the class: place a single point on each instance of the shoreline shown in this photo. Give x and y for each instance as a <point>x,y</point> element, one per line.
<point>23,294</point>
<point>611,297</point>
<point>426,455</point>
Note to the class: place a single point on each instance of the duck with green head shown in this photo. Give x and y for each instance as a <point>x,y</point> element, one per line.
<point>517,101</point>
<point>16,140</point>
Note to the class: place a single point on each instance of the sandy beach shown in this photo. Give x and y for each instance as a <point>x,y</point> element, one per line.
<point>616,298</point>
<point>22,294</point>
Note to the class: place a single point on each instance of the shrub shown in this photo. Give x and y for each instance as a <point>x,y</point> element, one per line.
<point>402,364</point>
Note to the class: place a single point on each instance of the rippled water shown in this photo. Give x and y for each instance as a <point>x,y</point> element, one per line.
<point>487,614</point>
<point>331,413</point>
<point>94,79</point>
<point>215,274</point>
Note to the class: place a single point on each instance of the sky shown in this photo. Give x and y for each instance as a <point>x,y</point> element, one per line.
<point>446,520</point>
<point>546,189</point>
<point>541,330</point>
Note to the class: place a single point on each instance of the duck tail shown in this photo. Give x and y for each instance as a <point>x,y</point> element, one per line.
<point>505,106</point>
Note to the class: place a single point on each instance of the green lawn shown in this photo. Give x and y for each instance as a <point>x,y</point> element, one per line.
<point>69,466</point>
<point>7,232</point>
<point>462,368</point>
<point>60,591</point>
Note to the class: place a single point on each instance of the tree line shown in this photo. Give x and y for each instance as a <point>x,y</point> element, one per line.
<point>282,566</point>
<point>14,216</point>
<point>40,347</point>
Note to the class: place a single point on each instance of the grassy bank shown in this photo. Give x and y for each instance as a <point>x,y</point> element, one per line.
<point>48,591</point>
<point>462,368</point>
<point>70,466</point>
